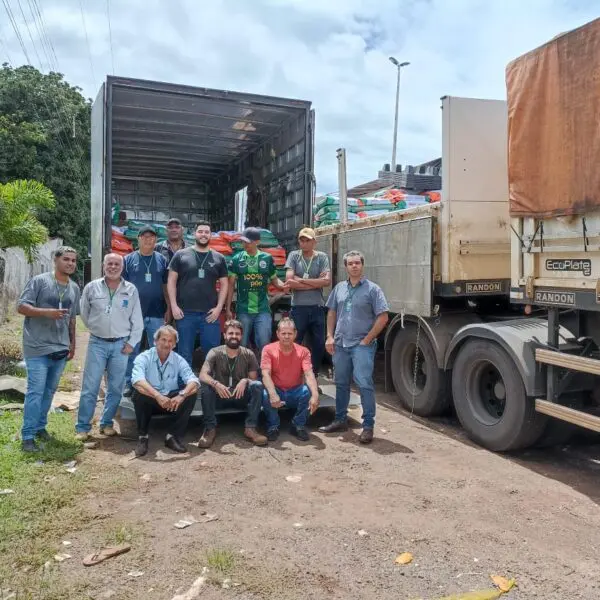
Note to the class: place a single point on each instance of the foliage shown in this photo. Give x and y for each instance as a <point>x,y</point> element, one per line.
<point>20,204</point>
<point>45,136</point>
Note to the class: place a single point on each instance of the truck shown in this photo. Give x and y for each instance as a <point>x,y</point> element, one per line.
<point>494,291</point>
<point>162,150</point>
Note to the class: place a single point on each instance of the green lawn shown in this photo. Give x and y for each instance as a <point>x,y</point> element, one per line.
<point>36,514</point>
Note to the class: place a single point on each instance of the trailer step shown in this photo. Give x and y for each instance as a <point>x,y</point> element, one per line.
<point>568,361</point>
<point>564,413</point>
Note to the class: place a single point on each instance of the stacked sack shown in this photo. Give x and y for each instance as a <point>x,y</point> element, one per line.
<point>119,244</point>
<point>327,209</point>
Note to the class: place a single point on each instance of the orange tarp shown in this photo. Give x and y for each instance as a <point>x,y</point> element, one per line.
<point>553,126</point>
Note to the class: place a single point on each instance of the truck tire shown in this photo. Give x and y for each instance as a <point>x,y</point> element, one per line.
<point>431,392</point>
<point>490,399</point>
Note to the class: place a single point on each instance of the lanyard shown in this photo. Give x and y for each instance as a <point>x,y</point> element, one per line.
<point>148,265</point>
<point>351,291</point>
<point>111,294</point>
<point>307,267</point>
<point>200,266</point>
<point>161,373</point>
<point>60,295</point>
<point>231,368</point>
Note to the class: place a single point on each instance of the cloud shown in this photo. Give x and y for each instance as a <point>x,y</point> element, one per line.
<point>332,52</point>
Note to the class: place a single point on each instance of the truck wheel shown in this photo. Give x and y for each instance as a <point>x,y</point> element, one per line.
<point>490,399</point>
<point>428,394</point>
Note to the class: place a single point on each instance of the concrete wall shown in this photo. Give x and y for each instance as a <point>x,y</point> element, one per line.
<point>15,271</point>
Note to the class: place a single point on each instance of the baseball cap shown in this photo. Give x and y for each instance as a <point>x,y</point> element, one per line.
<point>146,229</point>
<point>307,232</point>
<point>251,234</point>
<point>173,221</point>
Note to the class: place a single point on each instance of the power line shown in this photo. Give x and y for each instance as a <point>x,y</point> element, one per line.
<point>29,32</point>
<point>11,18</point>
<point>40,32</point>
<point>87,41</point>
<point>112,58</point>
<point>45,33</point>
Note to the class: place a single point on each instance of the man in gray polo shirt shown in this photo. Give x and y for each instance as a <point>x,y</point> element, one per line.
<point>307,273</point>
<point>110,308</point>
<point>50,303</point>
<point>358,312</point>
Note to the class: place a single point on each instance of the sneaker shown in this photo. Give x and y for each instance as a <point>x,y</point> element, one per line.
<point>300,433</point>
<point>44,436</point>
<point>107,431</point>
<point>272,435</point>
<point>29,446</point>
<point>82,436</point>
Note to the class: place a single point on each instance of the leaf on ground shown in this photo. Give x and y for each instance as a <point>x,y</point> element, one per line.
<point>404,558</point>
<point>478,595</point>
<point>502,583</point>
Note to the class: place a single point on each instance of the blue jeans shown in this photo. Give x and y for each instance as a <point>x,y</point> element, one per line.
<point>43,375</point>
<point>151,324</point>
<point>251,402</point>
<point>311,319</point>
<point>297,397</point>
<point>261,324</point>
<point>101,356</point>
<point>192,324</point>
<point>357,361</point>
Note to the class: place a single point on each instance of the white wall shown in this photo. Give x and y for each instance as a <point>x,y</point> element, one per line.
<point>15,271</point>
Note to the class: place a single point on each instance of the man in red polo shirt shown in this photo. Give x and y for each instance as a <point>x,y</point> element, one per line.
<point>289,381</point>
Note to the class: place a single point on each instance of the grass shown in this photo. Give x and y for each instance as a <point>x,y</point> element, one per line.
<point>220,561</point>
<point>121,533</point>
<point>35,516</point>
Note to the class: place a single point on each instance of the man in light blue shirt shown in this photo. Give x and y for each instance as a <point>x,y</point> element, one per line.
<point>155,379</point>
<point>358,313</point>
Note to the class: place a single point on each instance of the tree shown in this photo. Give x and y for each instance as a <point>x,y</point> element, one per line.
<point>20,203</point>
<point>45,136</point>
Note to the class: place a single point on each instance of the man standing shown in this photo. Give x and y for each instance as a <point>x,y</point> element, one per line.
<point>193,276</point>
<point>254,271</point>
<point>174,241</point>
<point>148,271</point>
<point>307,273</point>
<point>358,312</point>
<point>156,376</point>
<point>110,309</point>
<point>50,303</point>
<point>229,377</point>
<point>289,382</point>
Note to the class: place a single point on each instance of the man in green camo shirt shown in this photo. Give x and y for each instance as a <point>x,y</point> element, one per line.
<point>254,271</point>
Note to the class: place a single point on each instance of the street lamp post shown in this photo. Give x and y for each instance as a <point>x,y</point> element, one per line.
<point>399,66</point>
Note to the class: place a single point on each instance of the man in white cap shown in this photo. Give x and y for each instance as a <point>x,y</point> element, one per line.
<point>307,273</point>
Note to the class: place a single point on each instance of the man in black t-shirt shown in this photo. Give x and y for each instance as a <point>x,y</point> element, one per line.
<point>196,307</point>
<point>229,378</point>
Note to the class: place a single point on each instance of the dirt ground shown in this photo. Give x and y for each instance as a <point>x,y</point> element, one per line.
<point>335,529</point>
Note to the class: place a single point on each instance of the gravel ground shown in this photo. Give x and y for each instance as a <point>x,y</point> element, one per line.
<point>335,530</point>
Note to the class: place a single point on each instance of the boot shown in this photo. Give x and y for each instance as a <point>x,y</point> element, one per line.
<point>255,437</point>
<point>207,439</point>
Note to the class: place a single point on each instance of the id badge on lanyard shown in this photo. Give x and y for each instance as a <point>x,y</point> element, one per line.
<point>200,273</point>
<point>148,278</point>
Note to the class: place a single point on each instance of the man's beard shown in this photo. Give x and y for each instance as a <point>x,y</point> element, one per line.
<point>233,344</point>
<point>202,243</point>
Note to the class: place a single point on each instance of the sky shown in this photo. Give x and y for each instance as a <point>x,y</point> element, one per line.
<point>334,53</point>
